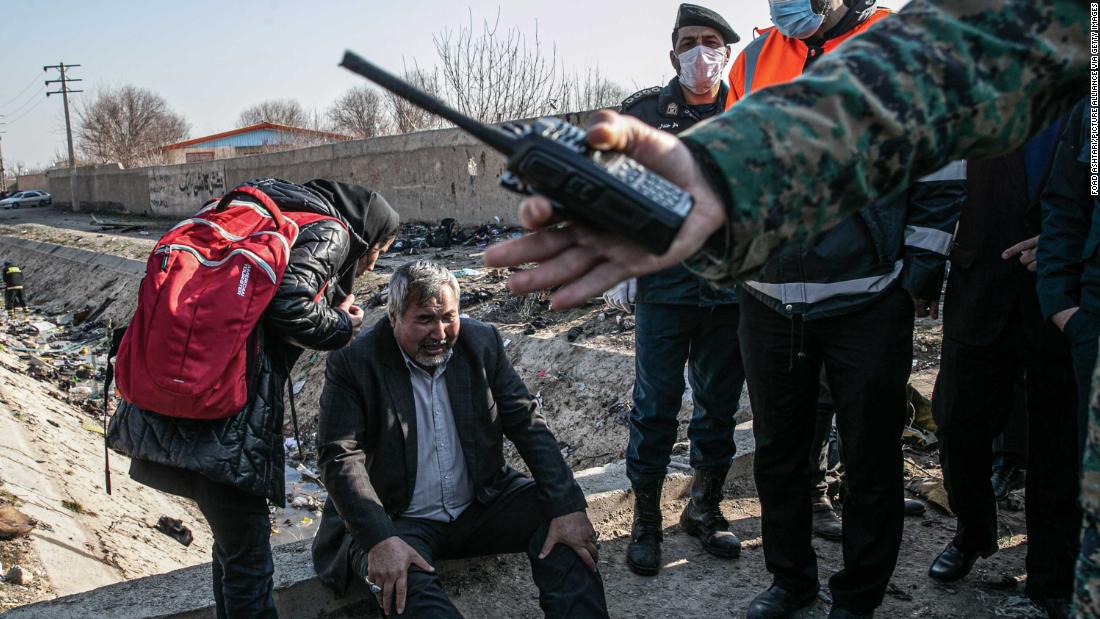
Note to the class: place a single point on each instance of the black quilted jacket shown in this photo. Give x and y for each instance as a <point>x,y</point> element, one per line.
<point>246,450</point>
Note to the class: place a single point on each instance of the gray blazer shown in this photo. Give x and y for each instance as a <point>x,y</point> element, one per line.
<point>367,439</point>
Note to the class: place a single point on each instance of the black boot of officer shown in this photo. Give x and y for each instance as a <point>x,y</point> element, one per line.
<point>643,553</point>
<point>703,518</point>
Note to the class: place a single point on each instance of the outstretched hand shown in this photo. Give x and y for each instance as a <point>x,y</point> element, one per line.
<point>584,261</point>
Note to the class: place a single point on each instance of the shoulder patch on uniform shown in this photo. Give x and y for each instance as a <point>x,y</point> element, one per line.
<point>638,96</point>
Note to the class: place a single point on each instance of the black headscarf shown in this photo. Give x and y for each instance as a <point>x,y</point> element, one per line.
<point>370,219</point>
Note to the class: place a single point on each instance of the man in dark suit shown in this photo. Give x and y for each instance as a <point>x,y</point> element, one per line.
<point>993,329</point>
<point>410,445</point>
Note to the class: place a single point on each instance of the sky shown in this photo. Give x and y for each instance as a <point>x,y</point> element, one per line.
<point>210,59</point>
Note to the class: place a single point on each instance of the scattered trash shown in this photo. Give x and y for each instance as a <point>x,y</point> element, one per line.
<point>174,528</point>
<point>574,333</point>
<point>14,523</point>
<point>467,273</point>
<point>541,373</point>
<point>17,575</point>
<point>298,384</point>
<point>290,444</point>
<point>507,342</point>
<point>581,387</point>
<point>931,490</point>
<point>43,328</point>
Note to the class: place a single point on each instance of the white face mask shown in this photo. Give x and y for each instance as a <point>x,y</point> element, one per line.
<point>701,68</point>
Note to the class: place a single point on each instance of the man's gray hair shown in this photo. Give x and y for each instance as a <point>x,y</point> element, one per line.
<point>417,281</point>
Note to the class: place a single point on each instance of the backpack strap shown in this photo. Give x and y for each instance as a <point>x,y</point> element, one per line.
<point>115,336</point>
<point>265,201</point>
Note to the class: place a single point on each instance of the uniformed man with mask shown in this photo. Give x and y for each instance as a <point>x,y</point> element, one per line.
<point>682,319</point>
<point>940,81</point>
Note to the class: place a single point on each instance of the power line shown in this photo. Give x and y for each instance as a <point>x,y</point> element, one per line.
<point>33,80</point>
<point>23,105</point>
<point>24,114</point>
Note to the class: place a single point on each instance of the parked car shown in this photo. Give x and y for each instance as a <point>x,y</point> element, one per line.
<point>33,197</point>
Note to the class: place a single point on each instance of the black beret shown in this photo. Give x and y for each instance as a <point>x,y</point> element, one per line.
<point>695,15</point>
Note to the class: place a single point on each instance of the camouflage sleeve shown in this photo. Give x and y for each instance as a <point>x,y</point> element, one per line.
<point>941,80</point>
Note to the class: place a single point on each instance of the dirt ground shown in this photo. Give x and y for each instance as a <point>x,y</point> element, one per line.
<point>580,363</point>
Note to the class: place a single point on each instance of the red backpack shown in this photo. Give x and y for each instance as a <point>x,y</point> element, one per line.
<point>191,347</point>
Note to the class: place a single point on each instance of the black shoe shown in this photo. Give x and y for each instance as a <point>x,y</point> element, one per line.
<point>1054,607</point>
<point>827,524</point>
<point>702,517</point>
<point>1005,479</point>
<point>842,613</point>
<point>643,553</point>
<point>778,603</point>
<point>952,564</point>
<point>914,507</point>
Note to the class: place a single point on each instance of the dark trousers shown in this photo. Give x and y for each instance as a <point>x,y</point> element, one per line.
<point>867,355</point>
<point>1010,446</point>
<point>667,337</point>
<point>972,400</point>
<point>512,523</point>
<point>242,564</point>
<point>1083,329</point>
<point>13,298</point>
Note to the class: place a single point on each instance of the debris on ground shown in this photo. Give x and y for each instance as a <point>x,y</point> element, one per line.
<point>932,491</point>
<point>14,523</point>
<point>19,576</point>
<point>174,528</point>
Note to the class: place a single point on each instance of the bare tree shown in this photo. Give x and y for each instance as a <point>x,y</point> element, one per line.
<point>496,75</point>
<point>408,117</point>
<point>279,111</point>
<point>127,125</point>
<point>360,112</point>
<point>594,92</point>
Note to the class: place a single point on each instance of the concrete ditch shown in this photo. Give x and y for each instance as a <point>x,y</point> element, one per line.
<point>576,381</point>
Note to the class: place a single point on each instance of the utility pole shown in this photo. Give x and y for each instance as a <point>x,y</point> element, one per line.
<point>3,181</point>
<point>65,92</point>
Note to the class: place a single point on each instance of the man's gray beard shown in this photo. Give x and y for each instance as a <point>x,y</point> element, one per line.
<point>432,361</point>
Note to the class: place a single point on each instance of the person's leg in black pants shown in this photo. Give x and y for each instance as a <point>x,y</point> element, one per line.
<point>972,397</point>
<point>1053,515</point>
<point>716,376</point>
<point>662,343</point>
<point>242,564</point>
<point>867,356</point>
<point>511,523</point>
<point>514,523</point>
<point>783,388</point>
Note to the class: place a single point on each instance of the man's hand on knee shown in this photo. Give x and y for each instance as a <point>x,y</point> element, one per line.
<point>573,530</point>
<point>387,568</point>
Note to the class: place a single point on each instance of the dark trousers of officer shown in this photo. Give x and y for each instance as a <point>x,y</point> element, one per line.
<point>667,337</point>
<point>1010,446</point>
<point>13,298</point>
<point>972,400</point>
<point>511,523</point>
<point>867,355</point>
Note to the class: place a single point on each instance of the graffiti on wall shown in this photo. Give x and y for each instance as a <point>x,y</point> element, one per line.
<point>176,191</point>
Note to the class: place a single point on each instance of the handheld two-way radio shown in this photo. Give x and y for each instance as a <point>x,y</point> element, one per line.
<point>549,157</point>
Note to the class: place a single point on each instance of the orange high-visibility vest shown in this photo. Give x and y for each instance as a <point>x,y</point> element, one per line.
<point>772,58</point>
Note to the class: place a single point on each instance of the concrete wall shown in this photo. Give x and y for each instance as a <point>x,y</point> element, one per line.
<point>427,176</point>
<point>32,181</point>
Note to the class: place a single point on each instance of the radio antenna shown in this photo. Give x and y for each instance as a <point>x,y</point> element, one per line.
<point>492,136</point>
